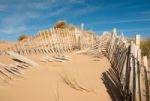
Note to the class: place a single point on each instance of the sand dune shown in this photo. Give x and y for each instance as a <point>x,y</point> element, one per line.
<point>75,80</point>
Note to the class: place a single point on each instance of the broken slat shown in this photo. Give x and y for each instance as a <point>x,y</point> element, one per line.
<point>5,73</point>
<point>9,69</point>
<point>21,65</point>
<point>21,58</point>
<point>15,68</point>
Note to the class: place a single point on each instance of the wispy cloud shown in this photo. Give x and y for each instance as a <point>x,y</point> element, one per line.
<point>58,12</point>
<point>18,16</point>
<point>3,7</point>
<point>12,31</point>
<point>126,30</point>
<point>41,5</point>
<point>77,1</point>
<point>55,9</point>
<point>146,12</point>
<point>135,30</point>
<point>118,21</point>
<point>14,20</point>
<point>86,10</point>
<point>132,20</point>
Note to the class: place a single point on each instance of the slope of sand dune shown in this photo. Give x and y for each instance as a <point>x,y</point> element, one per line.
<point>75,80</point>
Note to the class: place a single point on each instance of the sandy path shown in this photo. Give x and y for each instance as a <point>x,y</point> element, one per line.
<point>45,83</point>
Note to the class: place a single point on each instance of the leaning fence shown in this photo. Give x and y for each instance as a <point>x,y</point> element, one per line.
<point>128,71</point>
<point>129,75</point>
<point>52,41</point>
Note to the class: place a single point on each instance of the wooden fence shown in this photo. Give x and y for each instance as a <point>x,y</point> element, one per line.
<point>128,72</point>
<point>129,75</point>
<point>51,41</point>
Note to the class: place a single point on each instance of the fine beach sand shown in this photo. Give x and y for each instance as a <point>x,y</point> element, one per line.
<point>47,81</point>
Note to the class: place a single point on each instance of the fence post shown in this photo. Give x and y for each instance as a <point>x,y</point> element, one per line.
<point>140,76</point>
<point>114,31</point>
<point>41,43</point>
<point>132,71</point>
<point>138,37</point>
<point>32,44</point>
<point>69,40</point>
<point>137,59</point>
<point>59,41</point>
<point>48,42</point>
<point>146,71</point>
<point>78,38</point>
<point>52,41</point>
<point>45,36</point>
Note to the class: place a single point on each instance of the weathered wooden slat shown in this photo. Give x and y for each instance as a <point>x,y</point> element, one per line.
<point>45,41</point>
<point>140,76</point>
<point>5,73</point>
<point>21,58</point>
<point>33,45</point>
<point>67,40</point>
<point>63,41</point>
<point>21,65</point>
<point>59,41</point>
<point>146,71</point>
<point>51,41</point>
<point>42,43</point>
<point>9,69</point>
<point>55,45</point>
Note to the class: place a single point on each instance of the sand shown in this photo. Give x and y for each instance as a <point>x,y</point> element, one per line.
<point>47,81</point>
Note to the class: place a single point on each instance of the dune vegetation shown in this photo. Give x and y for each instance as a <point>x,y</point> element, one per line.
<point>145,47</point>
<point>61,24</point>
<point>23,37</point>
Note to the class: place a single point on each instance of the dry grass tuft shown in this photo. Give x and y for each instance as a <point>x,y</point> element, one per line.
<point>72,82</point>
<point>23,37</point>
<point>145,47</point>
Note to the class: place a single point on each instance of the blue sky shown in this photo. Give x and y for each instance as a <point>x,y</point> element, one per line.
<point>30,16</point>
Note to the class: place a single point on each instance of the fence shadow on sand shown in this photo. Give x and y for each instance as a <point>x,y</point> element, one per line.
<point>112,85</point>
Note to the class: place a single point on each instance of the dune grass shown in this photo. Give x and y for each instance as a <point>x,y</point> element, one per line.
<point>73,83</point>
<point>145,47</point>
